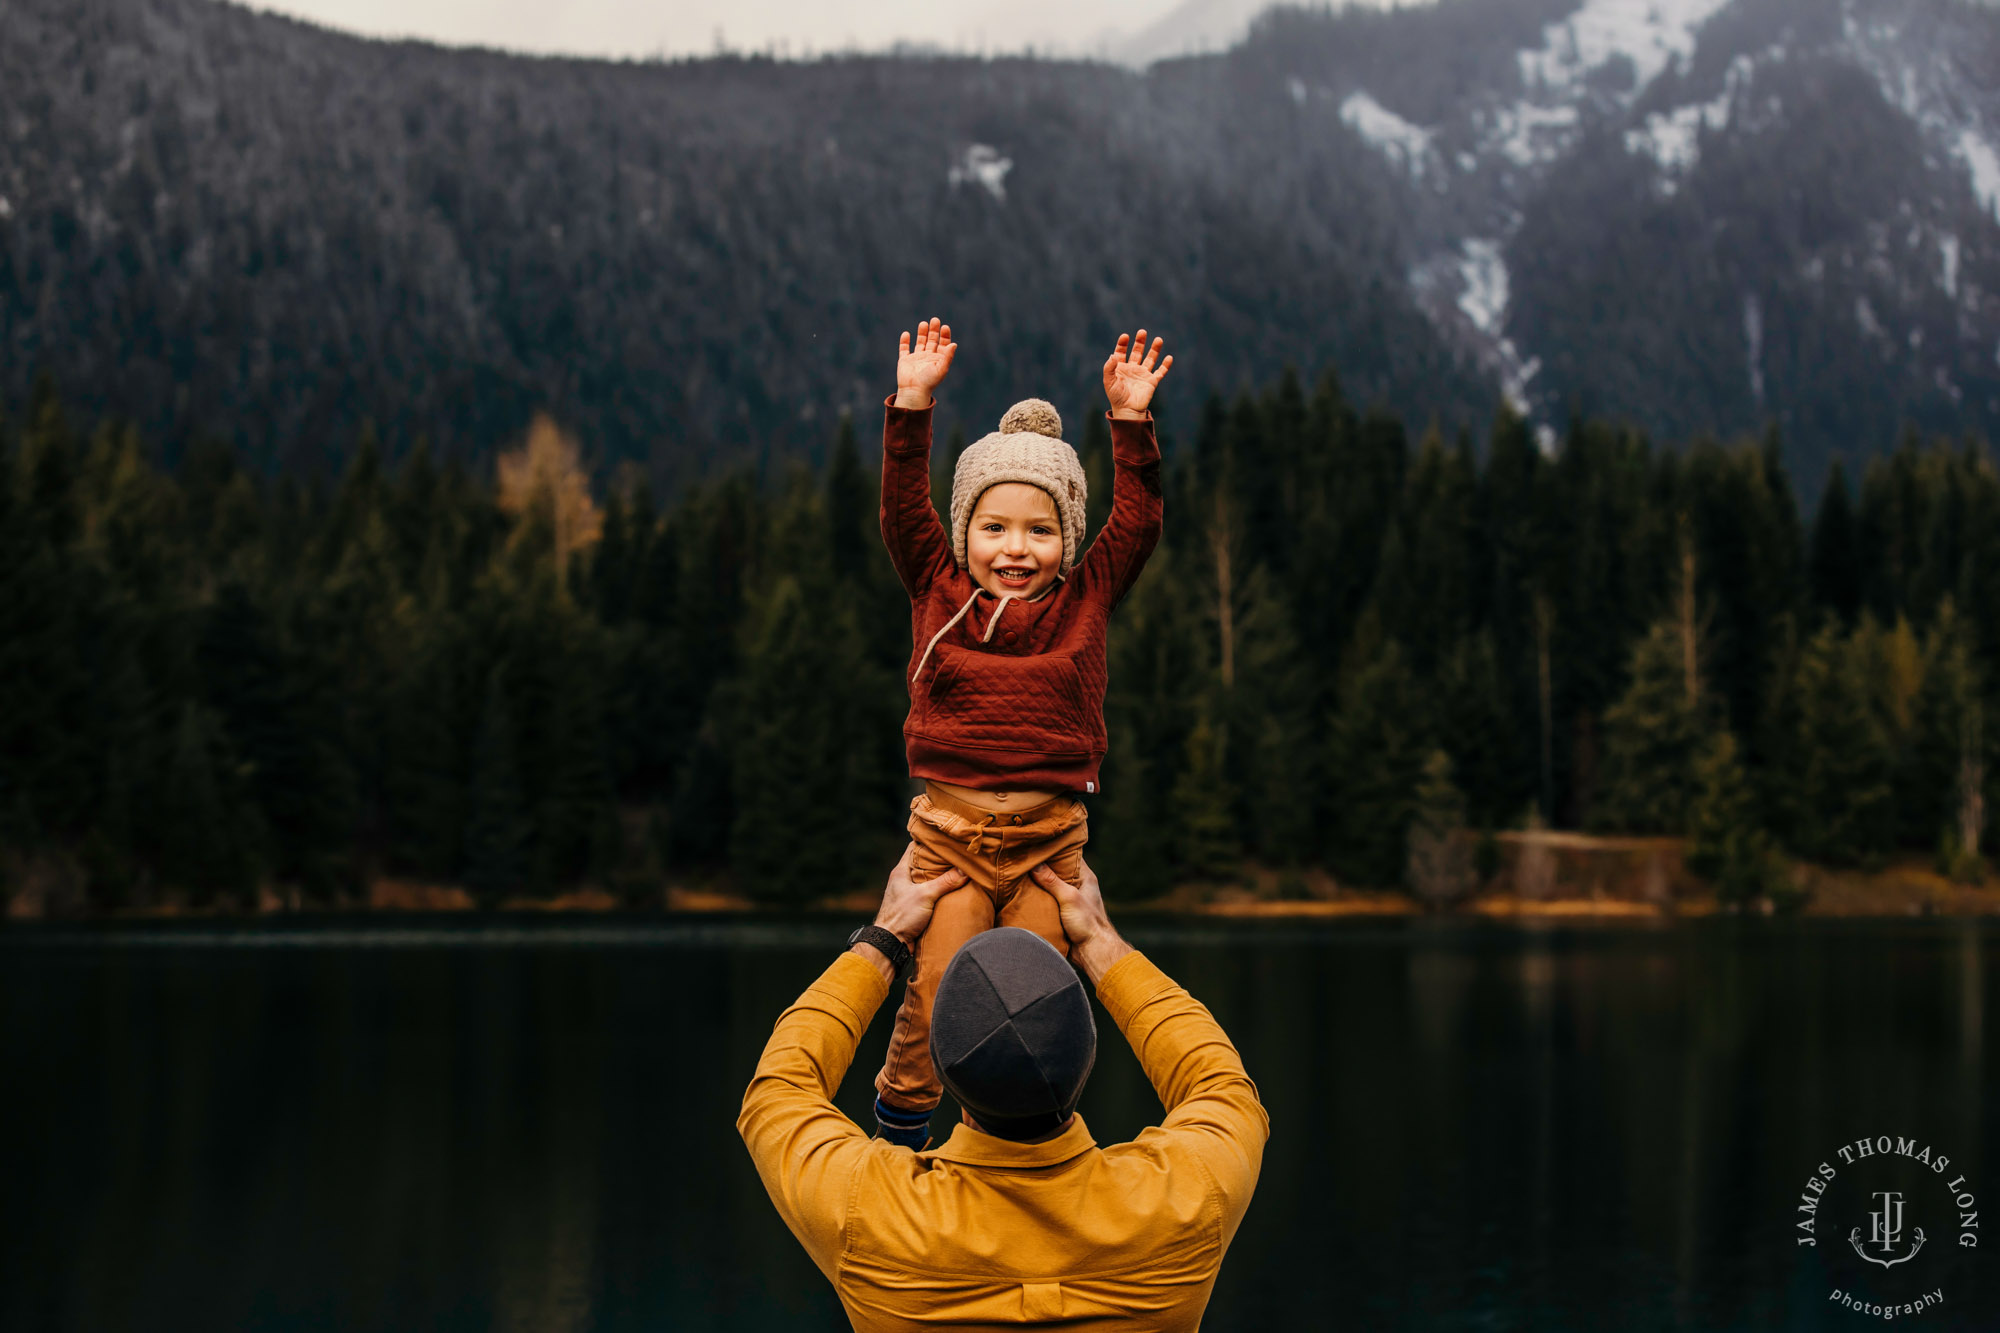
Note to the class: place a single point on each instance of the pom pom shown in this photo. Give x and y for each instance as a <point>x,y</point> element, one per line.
<point>1032,415</point>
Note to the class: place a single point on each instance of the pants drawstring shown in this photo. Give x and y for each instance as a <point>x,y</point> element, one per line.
<point>979,834</point>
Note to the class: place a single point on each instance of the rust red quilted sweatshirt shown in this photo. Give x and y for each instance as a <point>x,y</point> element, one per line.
<point>1024,708</point>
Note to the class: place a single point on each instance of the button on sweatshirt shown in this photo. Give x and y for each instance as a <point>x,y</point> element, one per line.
<point>1022,706</point>
<point>985,1233</point>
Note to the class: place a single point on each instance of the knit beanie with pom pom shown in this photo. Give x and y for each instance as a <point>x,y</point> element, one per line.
<point>1028,447</point>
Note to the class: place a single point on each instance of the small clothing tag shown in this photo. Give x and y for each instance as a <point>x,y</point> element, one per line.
<point>1041,1300</point>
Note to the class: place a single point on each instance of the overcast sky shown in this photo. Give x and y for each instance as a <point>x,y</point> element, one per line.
<point>798,27</point>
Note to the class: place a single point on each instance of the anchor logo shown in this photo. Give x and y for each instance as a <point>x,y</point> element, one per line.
<point>1885,1228</point>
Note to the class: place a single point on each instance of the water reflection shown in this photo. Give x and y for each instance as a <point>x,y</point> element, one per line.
<point>1474,1127</point>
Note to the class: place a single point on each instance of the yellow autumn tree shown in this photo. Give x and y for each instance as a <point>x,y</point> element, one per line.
<point>544,482</point>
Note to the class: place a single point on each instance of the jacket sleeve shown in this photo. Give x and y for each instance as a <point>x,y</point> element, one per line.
<point>918,546</point>
<point>1213,1113</point>
<point>1118,556</point>
<point>806,1152</point>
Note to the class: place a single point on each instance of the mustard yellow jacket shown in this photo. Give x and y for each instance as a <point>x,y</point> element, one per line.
<point>986,1233</point>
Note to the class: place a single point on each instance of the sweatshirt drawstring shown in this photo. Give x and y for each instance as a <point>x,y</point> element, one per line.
<point>991,625</point>
<point>941,633</point>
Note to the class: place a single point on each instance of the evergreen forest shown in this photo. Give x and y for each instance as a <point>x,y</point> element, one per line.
<point>522,678</point>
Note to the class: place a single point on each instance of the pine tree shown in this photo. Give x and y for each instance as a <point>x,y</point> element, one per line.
<point>424,765</point>
<point>1206,843</point>
<point>1492,743</point>
<point>613,565</point>
<point>851,516</point>
<point>800,712</point>
<point>496,832</point>
<point>415,505</point>
<point>48,774</point>
<point>1272,755</point>
<point>1098,470</point>
<point>1839,792</point>
<point>1945,782</point>
<point>1375,755</point>
<point>203,827</point>
<point>1836,555</point>
<point>1434,557</point>
<point>944,466</point>
<point>256,685</point>
<point>1438,865</point>
<point>1128,848</point>
<point>1653,735</point>
<point>1727,844</point>
<point>578,815</point>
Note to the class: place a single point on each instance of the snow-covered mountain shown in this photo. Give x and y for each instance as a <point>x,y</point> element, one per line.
<point>1704,216</point>
<point>1701,212</point>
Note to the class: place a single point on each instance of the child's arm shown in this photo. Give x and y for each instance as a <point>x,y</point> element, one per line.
<point>918,547</point>
<point>1116,559</point>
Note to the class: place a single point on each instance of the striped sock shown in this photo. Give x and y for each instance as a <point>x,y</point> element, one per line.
<point>911,1129</point>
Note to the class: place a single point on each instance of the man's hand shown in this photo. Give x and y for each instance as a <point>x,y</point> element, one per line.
<point>1129,376</point>
<point>1092,942</point>
<point>922,366</point>
<point>906,908</point>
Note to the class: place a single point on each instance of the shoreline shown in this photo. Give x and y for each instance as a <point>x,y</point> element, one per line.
<point>1849,896</point>
<point>1540,876</point>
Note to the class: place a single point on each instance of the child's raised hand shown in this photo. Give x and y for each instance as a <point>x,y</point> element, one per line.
<point>1129,376</point>
<point>921,366</point>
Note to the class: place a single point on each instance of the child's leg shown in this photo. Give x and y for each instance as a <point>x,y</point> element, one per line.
<point>908,1081</point>
<point>1056,840</point>
<point>907,1089</point>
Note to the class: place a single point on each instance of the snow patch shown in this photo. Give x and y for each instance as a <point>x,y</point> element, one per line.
<point>1753,338</point>
<point>1864,315</point>
<point>1403,143</point>
<point>1649,33</point>
<point>1529,134</point>
<point>1466,292</point>
<point>6,208</point>
<point>1297,88</point>
<point>1484,299</point>
<point>1673,138</point>
<point>1948,262</point>
<point>1984,164</point>
<point>1646,34</point>
<point>982,165</point>
<point>1936,89</point>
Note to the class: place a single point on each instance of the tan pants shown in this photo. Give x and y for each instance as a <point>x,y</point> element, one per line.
<point>997,851</point>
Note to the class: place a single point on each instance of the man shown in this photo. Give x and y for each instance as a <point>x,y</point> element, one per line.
<point>1019,1218</point>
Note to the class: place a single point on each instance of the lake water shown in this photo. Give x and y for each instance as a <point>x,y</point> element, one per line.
<point>530,1127</point>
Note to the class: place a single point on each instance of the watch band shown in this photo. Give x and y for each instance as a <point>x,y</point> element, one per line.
<point>898,953</point>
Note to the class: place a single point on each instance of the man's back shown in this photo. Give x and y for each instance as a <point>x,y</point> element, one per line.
<point>985,1231</point>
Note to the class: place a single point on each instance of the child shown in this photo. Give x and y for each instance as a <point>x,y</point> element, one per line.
<point>1007,669</point>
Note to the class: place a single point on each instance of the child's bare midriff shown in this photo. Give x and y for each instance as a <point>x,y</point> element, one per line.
<point>1013,798</point>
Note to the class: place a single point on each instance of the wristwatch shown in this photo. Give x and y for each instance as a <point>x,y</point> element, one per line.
<point>891,945</point>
